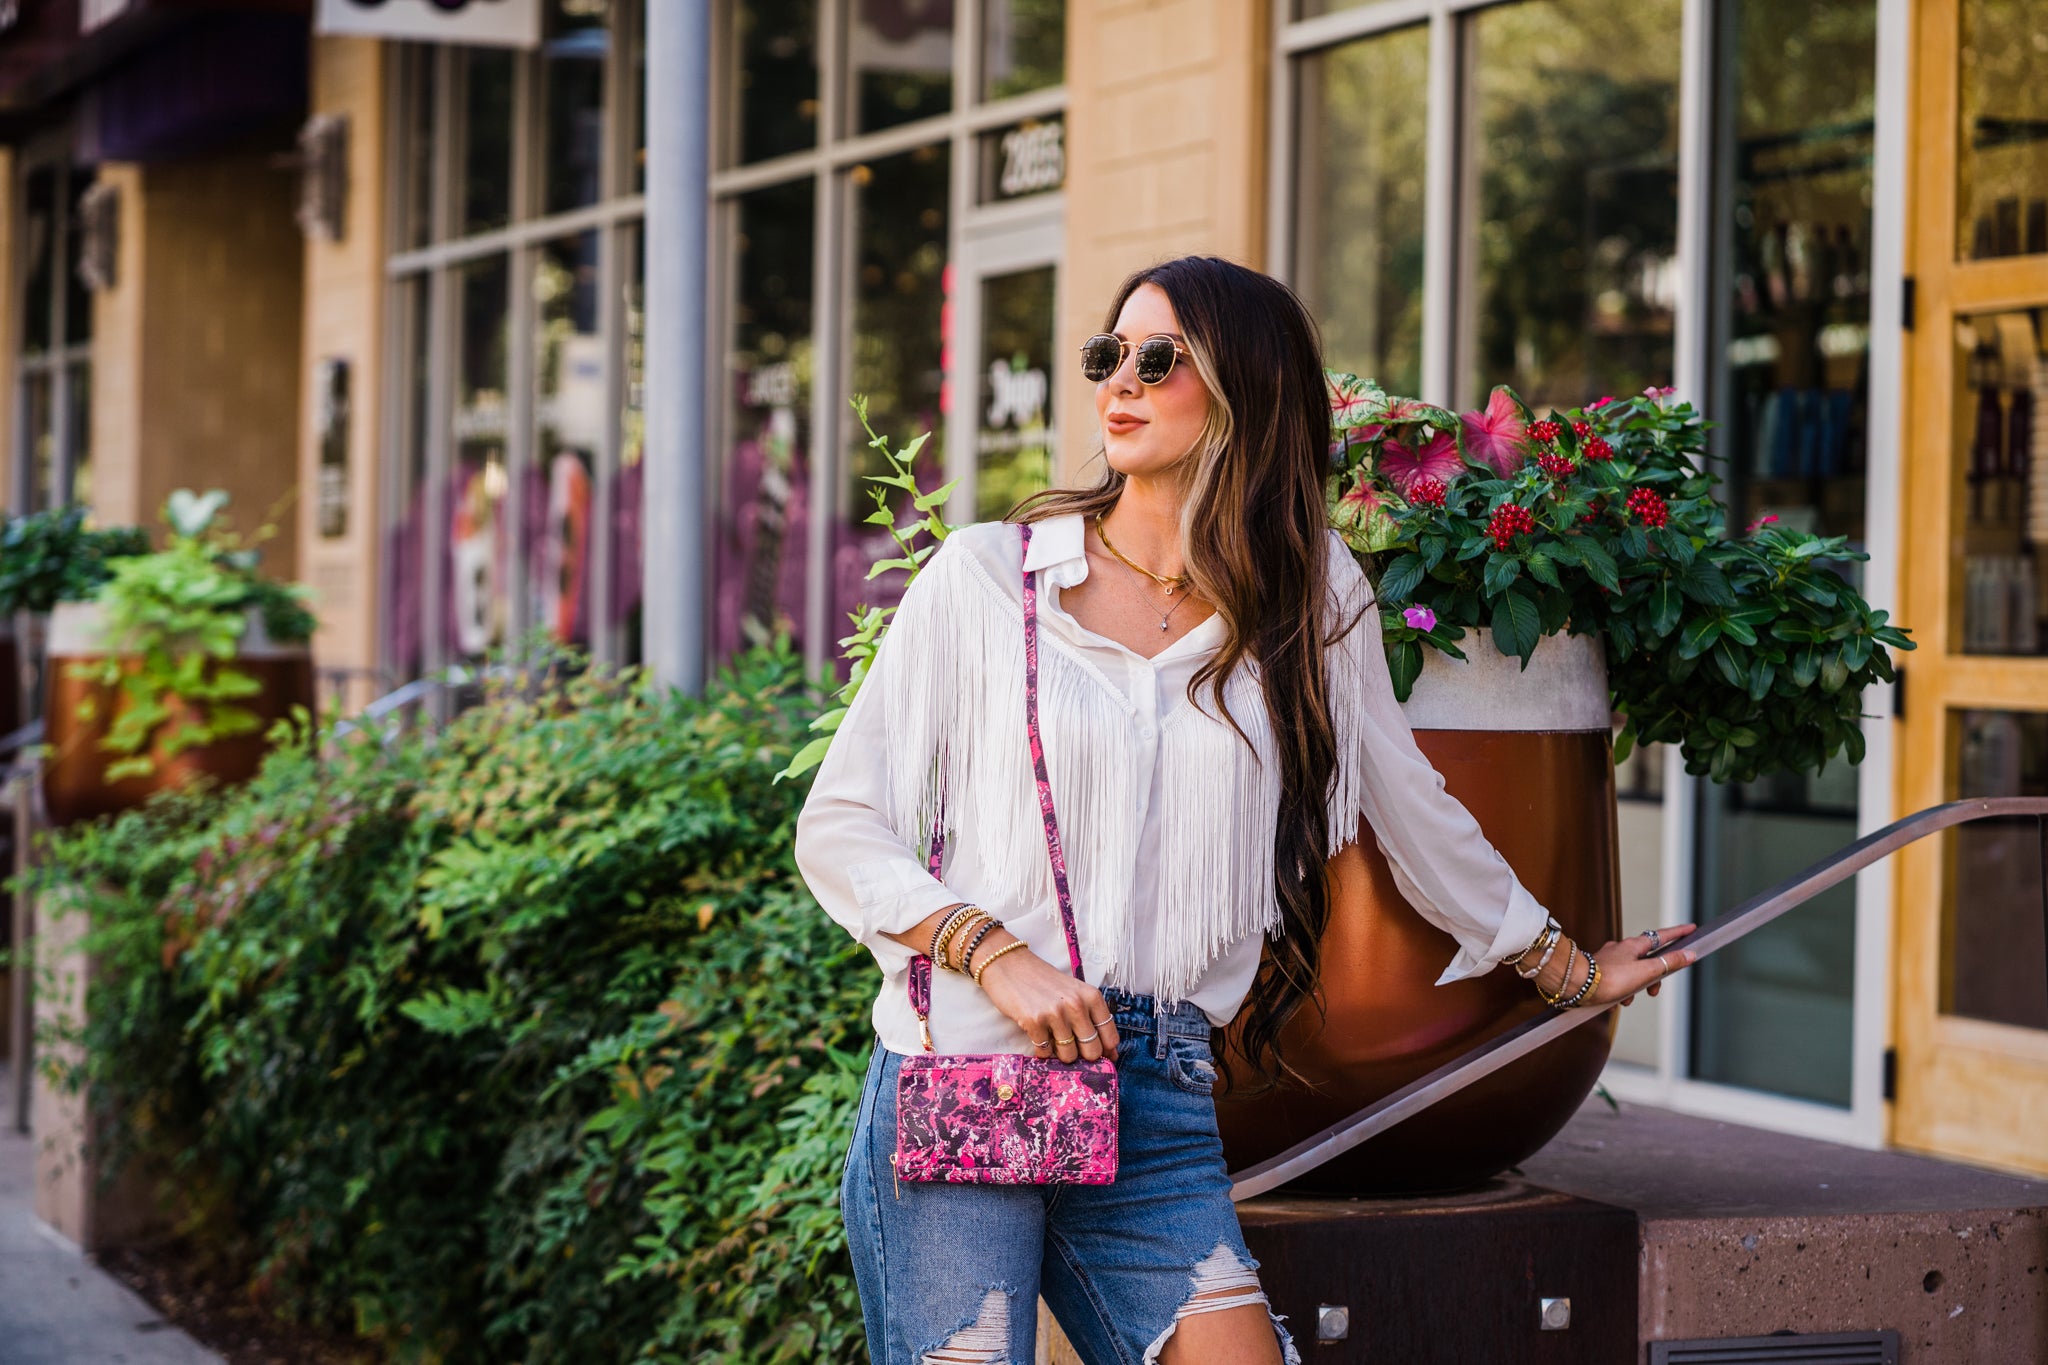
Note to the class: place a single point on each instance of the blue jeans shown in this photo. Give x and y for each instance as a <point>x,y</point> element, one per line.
<point>954,1272</point>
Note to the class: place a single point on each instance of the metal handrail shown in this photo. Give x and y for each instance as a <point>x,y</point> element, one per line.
<point>1753,914</point>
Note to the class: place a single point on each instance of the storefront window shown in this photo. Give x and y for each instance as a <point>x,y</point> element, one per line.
<point>1992,930</point>
<point>39,246</point>
<point>1014,440</point>
<point>900,55</point>
<point>478,554</point>
<point>1359,203</point>
<point>1024,46</point>
<point>53,396</point>
<point>1789,375</point>
<point>404,579</point>
<point>764,498</point>
<point>569,420</point>
<point>775,76</point>
<point>420,71</point>
<point>2000,545</point>
<point>574,56</point>
<point>1569,247</point>
<point>897,294</point>
<point>625,499</point>
<point>2002,151</point>
<point>487,139</point>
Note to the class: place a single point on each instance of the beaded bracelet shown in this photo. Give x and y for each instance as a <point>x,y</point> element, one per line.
<point>960,919</point>
<point>1571,954</point>
<point>1586,988</point>
<point>1012,946</point>
<point>1548,953</point>
<point>1547,941</point>
<point>1549,925</point>
<point>967,953</point>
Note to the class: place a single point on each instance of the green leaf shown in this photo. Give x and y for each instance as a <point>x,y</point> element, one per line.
<point>1516,625</point>
<point>1404,663</point>
<point>1401,578</point>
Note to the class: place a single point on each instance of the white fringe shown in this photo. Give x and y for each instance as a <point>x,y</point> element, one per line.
<point>1352,663</point>
<point>955,650</point>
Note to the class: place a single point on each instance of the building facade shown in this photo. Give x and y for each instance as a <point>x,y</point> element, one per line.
<point>1824,220</point>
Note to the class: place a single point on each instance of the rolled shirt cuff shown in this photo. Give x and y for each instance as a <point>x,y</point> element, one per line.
<point>1524,918</point>
<point>894,896</point>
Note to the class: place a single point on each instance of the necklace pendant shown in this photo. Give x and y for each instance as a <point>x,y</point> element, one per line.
<point>1162,625</point>
<point>1169,590</point>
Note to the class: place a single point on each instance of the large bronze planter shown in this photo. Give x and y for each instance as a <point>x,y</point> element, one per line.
<point>1529,754</point>
<point>75,785</point>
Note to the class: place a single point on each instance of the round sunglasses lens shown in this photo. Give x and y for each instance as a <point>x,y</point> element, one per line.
<point>1100,356</point>
<point>1155,359</point>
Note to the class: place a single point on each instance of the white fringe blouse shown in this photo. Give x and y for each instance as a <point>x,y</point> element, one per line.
<point>1166,817</point>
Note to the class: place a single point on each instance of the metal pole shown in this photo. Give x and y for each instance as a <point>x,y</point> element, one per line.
<point>673,554</point>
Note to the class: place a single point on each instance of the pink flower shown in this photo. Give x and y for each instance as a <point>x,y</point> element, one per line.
<point>1763,521</point>
<point>1599,403</point>
<point>1422,618</point>
<point>1497,435</point>
<point>1437,459</point>
<point>1659,394</point>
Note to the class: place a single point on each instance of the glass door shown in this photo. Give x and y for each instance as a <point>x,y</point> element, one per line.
<point>1002,441</point>
<point>1972,963</point>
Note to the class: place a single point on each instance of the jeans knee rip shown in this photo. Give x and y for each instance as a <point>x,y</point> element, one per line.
<point>1220,1282</point>
<point>984,1341</point>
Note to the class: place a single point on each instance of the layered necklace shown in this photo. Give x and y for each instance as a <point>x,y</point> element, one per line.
<point>1167,582</point>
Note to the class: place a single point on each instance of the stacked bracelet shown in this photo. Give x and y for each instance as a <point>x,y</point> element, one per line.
<point>1550,926</point>
<point>1571,956</point>
<point>961,917</point>
<point>1547,941</point>
<point>1586,988</point>
<point>967,953</point>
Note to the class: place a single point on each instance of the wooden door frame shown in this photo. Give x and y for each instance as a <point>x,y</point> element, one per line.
<point>1966,1088</point>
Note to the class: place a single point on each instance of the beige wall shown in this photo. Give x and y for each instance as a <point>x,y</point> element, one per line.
<point>344,317</point>
<point>1166,155</point>
<point>196,347</point>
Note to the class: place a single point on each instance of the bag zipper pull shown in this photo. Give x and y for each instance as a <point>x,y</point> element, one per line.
<point>896,1172</point>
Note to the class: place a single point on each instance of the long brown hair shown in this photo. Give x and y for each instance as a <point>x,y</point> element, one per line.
<point>1254,534</point>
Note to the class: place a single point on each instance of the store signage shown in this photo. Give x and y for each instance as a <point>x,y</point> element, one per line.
<point>492,23</point>
<point>1029,157</point>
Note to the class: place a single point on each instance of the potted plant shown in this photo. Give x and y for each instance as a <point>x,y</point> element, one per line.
<point>174,669</point>
<point>1536,577</point>
<point>46,558</point>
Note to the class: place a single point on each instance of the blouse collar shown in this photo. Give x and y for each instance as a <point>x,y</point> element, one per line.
<point>1059,544</point>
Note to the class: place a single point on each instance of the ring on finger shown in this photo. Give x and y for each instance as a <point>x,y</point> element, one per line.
<point>1088,1038</point>
<point>1666,964</point>
<point>1102,1023</point>
<point>1063,1042</point>
<point>1041,1042</point>
<point>1656,940</point>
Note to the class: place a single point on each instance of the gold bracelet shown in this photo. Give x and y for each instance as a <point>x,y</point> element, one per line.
<point>948,925</point>
<point>1587,986</point>
<point>1549,924</point>
<point>951,931</point>
<point>1012,946</point>
<point>1569,956</point>
<point>1547,940</point>
<point>970,944</point>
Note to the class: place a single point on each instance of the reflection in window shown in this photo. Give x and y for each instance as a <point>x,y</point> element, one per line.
<point>1991,932</point>
<point>1571,135</point>
<point>487,147</point>
<point>899,57</point>
<point>898,289</point>
<point>763,504</point>
<point>573,59</point>
<point>775,47</point>
<point>39,248</point>
<point>569,429</point>
<point>1014,438</point>
<point>2001,481</point>
<point>1359,203</point>
<point>404,579</point>
<point>2002,156</point>
<point>1788,367</point>
<point>1024,46</point>
<point>478,552</point>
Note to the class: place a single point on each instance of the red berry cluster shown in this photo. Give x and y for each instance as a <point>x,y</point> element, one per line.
<point>1507,522</point>
<point>1556,465</point>
<point>1428,491</point>
<point>1648,504</point>
<point>1582,429</point>
<point>1546,431</point>
<point>1598,449</point>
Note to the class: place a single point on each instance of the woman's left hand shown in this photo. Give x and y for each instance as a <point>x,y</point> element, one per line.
<point>1635,963</point>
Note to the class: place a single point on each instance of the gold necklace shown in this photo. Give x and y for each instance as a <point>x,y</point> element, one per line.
<point>1161,579</point>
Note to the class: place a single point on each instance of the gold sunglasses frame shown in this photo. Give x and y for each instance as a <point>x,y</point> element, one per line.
<point>1124,348</point>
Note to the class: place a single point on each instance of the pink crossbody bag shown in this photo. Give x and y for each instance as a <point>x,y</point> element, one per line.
<point>1002,1118</point>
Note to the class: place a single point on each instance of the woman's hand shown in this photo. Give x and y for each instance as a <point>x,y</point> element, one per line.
<point>1627,965</point>
<point>1051,1005</point>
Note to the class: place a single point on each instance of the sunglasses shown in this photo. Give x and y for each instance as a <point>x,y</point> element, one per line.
<point>1102,355</point>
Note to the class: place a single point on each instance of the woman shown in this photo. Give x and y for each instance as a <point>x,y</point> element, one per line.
<point>1216,715</point>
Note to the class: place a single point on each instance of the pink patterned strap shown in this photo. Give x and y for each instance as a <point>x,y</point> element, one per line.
<point>920,982</point>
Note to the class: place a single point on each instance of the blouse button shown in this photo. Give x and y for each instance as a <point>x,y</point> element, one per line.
<point>1145,732</point>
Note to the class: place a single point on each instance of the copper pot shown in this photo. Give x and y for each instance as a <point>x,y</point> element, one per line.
<point>1529,754</point>
<point>75,785</point>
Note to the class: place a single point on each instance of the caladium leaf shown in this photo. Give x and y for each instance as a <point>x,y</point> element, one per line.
<point>1498,435</point>
<point>1437,458</point>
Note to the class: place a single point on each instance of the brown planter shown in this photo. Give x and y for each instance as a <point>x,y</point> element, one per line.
<point>1529,754</point>
<point>74,773</point>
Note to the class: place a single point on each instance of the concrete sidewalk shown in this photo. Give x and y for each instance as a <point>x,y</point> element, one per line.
<point>56,1306</point>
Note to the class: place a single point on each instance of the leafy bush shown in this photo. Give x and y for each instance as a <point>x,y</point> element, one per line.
<point>519,1041</point>
<point>50,557</point>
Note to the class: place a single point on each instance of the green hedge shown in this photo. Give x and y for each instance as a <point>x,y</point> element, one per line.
<point>523,1041</point>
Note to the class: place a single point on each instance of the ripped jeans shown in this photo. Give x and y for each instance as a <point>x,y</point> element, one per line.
<point>953,1273</point>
